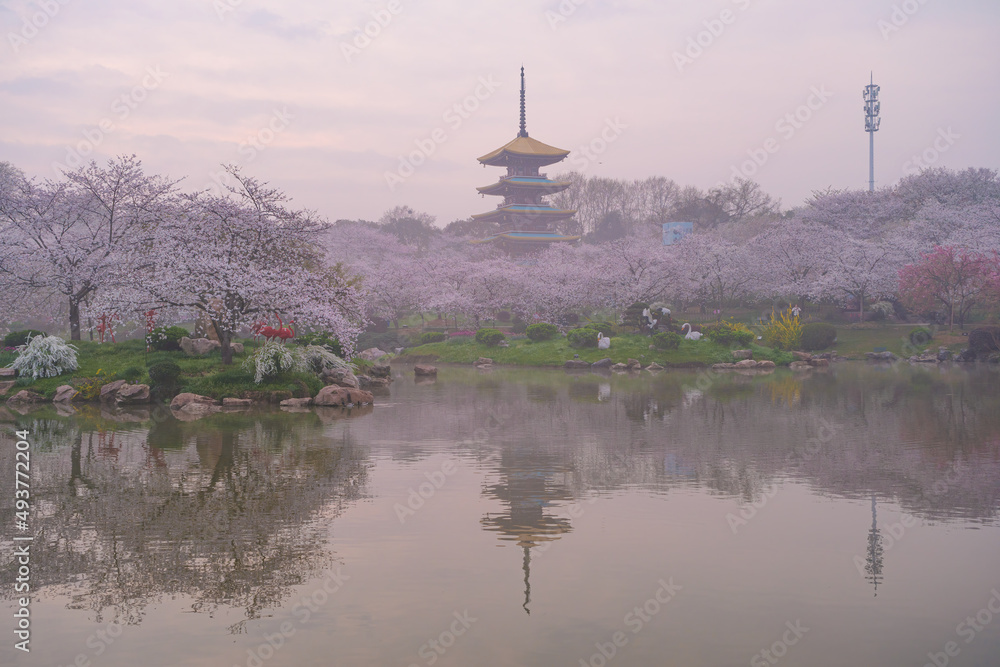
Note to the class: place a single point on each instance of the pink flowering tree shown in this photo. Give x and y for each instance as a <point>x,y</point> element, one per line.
<point>955,279</point>
<point>66,240</point>
<point>240,258</point>
<point>860,270</point>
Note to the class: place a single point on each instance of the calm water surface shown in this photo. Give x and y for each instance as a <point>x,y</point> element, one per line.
<point>523,517</point>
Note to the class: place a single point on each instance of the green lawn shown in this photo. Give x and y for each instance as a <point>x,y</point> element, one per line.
<point>556,352</point>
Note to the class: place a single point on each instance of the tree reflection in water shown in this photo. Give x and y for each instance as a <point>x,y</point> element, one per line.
<point>226,511</point>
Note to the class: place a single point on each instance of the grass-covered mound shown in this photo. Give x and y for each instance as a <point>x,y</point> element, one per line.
<point>555,352</point>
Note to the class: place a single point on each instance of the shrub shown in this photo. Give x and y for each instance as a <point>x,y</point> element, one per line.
<point>90,388</point>
<point>729,333</point>
<point>666,340</point>
<point>19,338</point>
<point>489,337</point>
<point>518,326</point>
<point>271,359</point>
<point>45,357</point>
<point>784,331</point>
<point>164,374</point>
<point>882,310</point>
<point>432,337</point>
<point>633,315</point>
<point>583,337</point>
<point>130,374</point>
<point>984,339</point>
<point>920,336</point>
<point>818,336</point>
<point>542,331</point>
<point>323,339</point>
<point>316,359</point>
<point>166,338</point>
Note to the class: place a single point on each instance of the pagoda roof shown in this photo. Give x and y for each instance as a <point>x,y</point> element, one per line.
<point>543,211</point>
<point>528,237</point>
<point>524,147</point>
<point>529,182</point>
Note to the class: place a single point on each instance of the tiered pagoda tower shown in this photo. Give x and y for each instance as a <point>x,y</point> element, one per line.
<point>527,219</point>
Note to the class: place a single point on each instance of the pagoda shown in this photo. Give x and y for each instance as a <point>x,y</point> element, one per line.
<point>528,220</point>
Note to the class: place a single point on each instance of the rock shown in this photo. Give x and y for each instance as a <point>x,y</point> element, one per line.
<point>342,377</point>
<point>944,354</point>
<point>746,363</point>
<point>742,354</point>
<point>723,367</point>
<point>633,365</point>
<point>483,361</point>
<point>923,359</point>
<point>196,347</point>
<point>368,382</point>
<point>132,394</point>
<point>603,363</point>
<point>799,365</point>
<point>801,356</point>
<point>576,363</point>
<point>296,402</point>
<point>819,363</point>
<point>766,363</point>
<point>183,401</point>
<point>380,370</point>
<point>654,367</point>
<point>619,368</point>
<point>110,390</point>
<point>424,370</point>
<point>25,396</point>
<point>372,353</point>
<point>965,356</point>
<point>333,395</point>
<point>65,394</point>
<point>237,402</point>
<point>881,356</point>
<point>6,386</point>
<point>7,373</point>
<point>237,348</point>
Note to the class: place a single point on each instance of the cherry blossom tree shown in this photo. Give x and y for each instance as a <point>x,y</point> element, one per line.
<point>860,270</point>
<point>954,278</point>
<point>239,258</point>
<point>65,240</point>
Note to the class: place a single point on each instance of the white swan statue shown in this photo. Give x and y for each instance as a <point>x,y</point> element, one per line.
<point>690,335</point>
<point>603,342</point>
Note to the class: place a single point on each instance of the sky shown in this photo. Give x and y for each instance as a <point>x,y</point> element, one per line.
<point>356,107</point>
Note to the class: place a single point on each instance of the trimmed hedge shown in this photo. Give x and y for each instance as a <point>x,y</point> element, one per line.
<point>489,337</point>
<point>583,337</point>
<point>729,333</point>
<point>666,340</point>
<point>166,339</point>
<point>432,337</point>
<point>818,336</point>
<point>18,338</point>
<point>920,336</point>
<point>542,331</point>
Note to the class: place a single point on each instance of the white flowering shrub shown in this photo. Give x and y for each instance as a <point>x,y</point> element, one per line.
<point>45,357</point>
<point>273,358</point>
<point>317,359</point>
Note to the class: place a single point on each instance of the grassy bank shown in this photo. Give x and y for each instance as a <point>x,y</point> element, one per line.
<point>207,375</point>
<point>524,352</point>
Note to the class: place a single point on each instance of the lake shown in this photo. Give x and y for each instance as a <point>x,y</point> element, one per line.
<point>525,517</point>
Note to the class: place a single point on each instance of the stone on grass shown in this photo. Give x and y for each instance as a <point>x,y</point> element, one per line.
<point>132,394</point>
<point>633,365</point>
<point>196,347</point>
<point>372,353</point>
<point>110,390</point>
<point>654,367</point>
<point>603,363</point>
<point>380,370</point>
<point>25,396</point>
<point>65,394</point>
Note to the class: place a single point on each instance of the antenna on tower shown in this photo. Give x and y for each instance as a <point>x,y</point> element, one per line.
<point>872,120</point>
<point>524,131</point>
